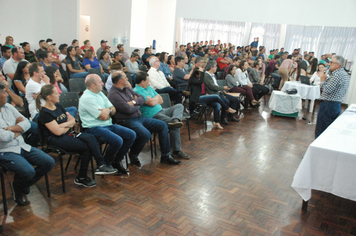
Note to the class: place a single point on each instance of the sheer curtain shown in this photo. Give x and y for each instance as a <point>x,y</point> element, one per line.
<point>194,30</point>
<point>304,37</point>
<point>268,35</point>
<point>339,40</point>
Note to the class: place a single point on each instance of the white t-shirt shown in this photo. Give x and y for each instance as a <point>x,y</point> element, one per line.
<point>61,58</point>
<point>32,87</point>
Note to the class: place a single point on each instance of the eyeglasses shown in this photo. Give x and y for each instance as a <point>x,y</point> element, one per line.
<point>334,62</point>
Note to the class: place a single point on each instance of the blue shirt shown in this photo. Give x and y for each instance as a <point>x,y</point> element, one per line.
<point>93,64</point>
<point>2,61</point>
<point>165,69</point>
<point>53,64</point>
<point>146,110</point>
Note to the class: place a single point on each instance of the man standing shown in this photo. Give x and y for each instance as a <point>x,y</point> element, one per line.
<point>127,104</point>
<point>125,55</point>
<point>102,48</point>
<point>152,108</point>
<point>10,66</point>
<point>305,63</point>
<point>333,92</point>
<point>159,82</point>
<point>255,42</point>
<point>6,54</point>
<point>16,155</point>
<point>95,112</point>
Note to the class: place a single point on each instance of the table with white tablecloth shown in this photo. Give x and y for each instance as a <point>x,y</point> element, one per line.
<point>282,102</point>
<point>329,163</point>
<point>307,92</point>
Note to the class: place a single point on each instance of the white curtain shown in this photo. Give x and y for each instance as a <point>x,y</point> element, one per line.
<point>194,30</point>
<point>303,37</point>
<point>339,40</point>
<point>268,35</point>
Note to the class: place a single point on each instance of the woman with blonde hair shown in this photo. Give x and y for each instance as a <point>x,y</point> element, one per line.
<point>9,42</point>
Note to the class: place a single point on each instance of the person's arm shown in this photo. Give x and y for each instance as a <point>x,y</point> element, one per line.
<point>187,76</point>
<point>20,87</point>
<point>59,129</point>
<point>153,101</point>
<point>8,133</point>
<point>303,72</point>
<point>125,106</point>
<point>231,80</point>
<point>70,68</point>
<point>16,99</point>
<point>208,81</point>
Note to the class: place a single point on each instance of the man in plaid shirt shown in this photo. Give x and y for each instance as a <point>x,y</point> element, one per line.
<point>334,89</point>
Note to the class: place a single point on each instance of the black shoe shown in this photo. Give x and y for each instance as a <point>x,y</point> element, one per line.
<point>234,119</point>
<point>17,194</point>
<point>86,182</point>
<point>169,160</point>
<point>135,161</point>
<point>26,190</point>
<point>120,168</point>
<point>180,154</point>
<point>224,121</point>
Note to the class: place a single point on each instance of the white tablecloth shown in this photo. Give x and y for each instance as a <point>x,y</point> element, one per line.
<point>285,103</point>
<point>310,92</point>
<point>329,164</point>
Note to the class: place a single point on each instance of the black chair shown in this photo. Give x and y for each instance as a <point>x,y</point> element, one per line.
<point>221,82</point>
<point>77,85</point>
<point>53,149</point>
<point>3,170</point>
<point>167,103</point>
<point>220,75</point>
<point>70,99</point>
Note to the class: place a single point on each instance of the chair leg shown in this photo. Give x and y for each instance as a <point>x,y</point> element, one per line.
<point>69,159</point>
<point>4,201</point>
<point>127,162</point>
<point>188,126</point>
<point>47,186</point>
<point>151,148</point>
<point>154,138</point>
<point>92,168</point>
<point>76,164</point>
<point>62,173</point>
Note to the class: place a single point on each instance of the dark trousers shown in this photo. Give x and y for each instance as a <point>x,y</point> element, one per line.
<point>328,112</point>
<point>244,90</point>
<point>233,102</point>
<point>85,144</point>
<point>259,91</point>
<point>143,127</point>
<point>174,94</point>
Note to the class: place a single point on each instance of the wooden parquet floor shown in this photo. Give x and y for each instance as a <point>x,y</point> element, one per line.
<point>237,182</point>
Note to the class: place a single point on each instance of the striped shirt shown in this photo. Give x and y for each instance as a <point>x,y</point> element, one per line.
<point>8,143</point>
<point>335,87</point>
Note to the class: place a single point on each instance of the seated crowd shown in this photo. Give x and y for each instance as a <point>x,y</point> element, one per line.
<point>122,103</point>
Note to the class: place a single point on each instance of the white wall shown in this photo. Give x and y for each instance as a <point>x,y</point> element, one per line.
<point>301,12</point>
<point>108,20</point>
<point>33,20</point>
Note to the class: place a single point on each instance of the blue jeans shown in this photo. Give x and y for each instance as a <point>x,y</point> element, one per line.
<point>32,136</point>
<point>72,110</point>
<point>143,127</point>
<point>22,164</point>
<point>174,94</point>
<point>119,138</point>
<point>79,75</point>
<point>217,103</point>
<point>328,112</point>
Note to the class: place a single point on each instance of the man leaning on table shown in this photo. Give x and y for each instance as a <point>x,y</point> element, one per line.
<point>333,91</point>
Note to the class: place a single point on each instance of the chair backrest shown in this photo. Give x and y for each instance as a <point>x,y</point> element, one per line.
<point>77,85</point>
<point>96,71</point>
<point>221,82</point>
<point>166,100</point>
<point>27,110</point>
<point>220,75</point>
<point>69,99</point>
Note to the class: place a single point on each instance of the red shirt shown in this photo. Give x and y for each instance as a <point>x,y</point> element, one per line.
<point>221,65</point>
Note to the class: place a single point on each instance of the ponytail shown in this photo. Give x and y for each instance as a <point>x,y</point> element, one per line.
<point>45,91</point>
